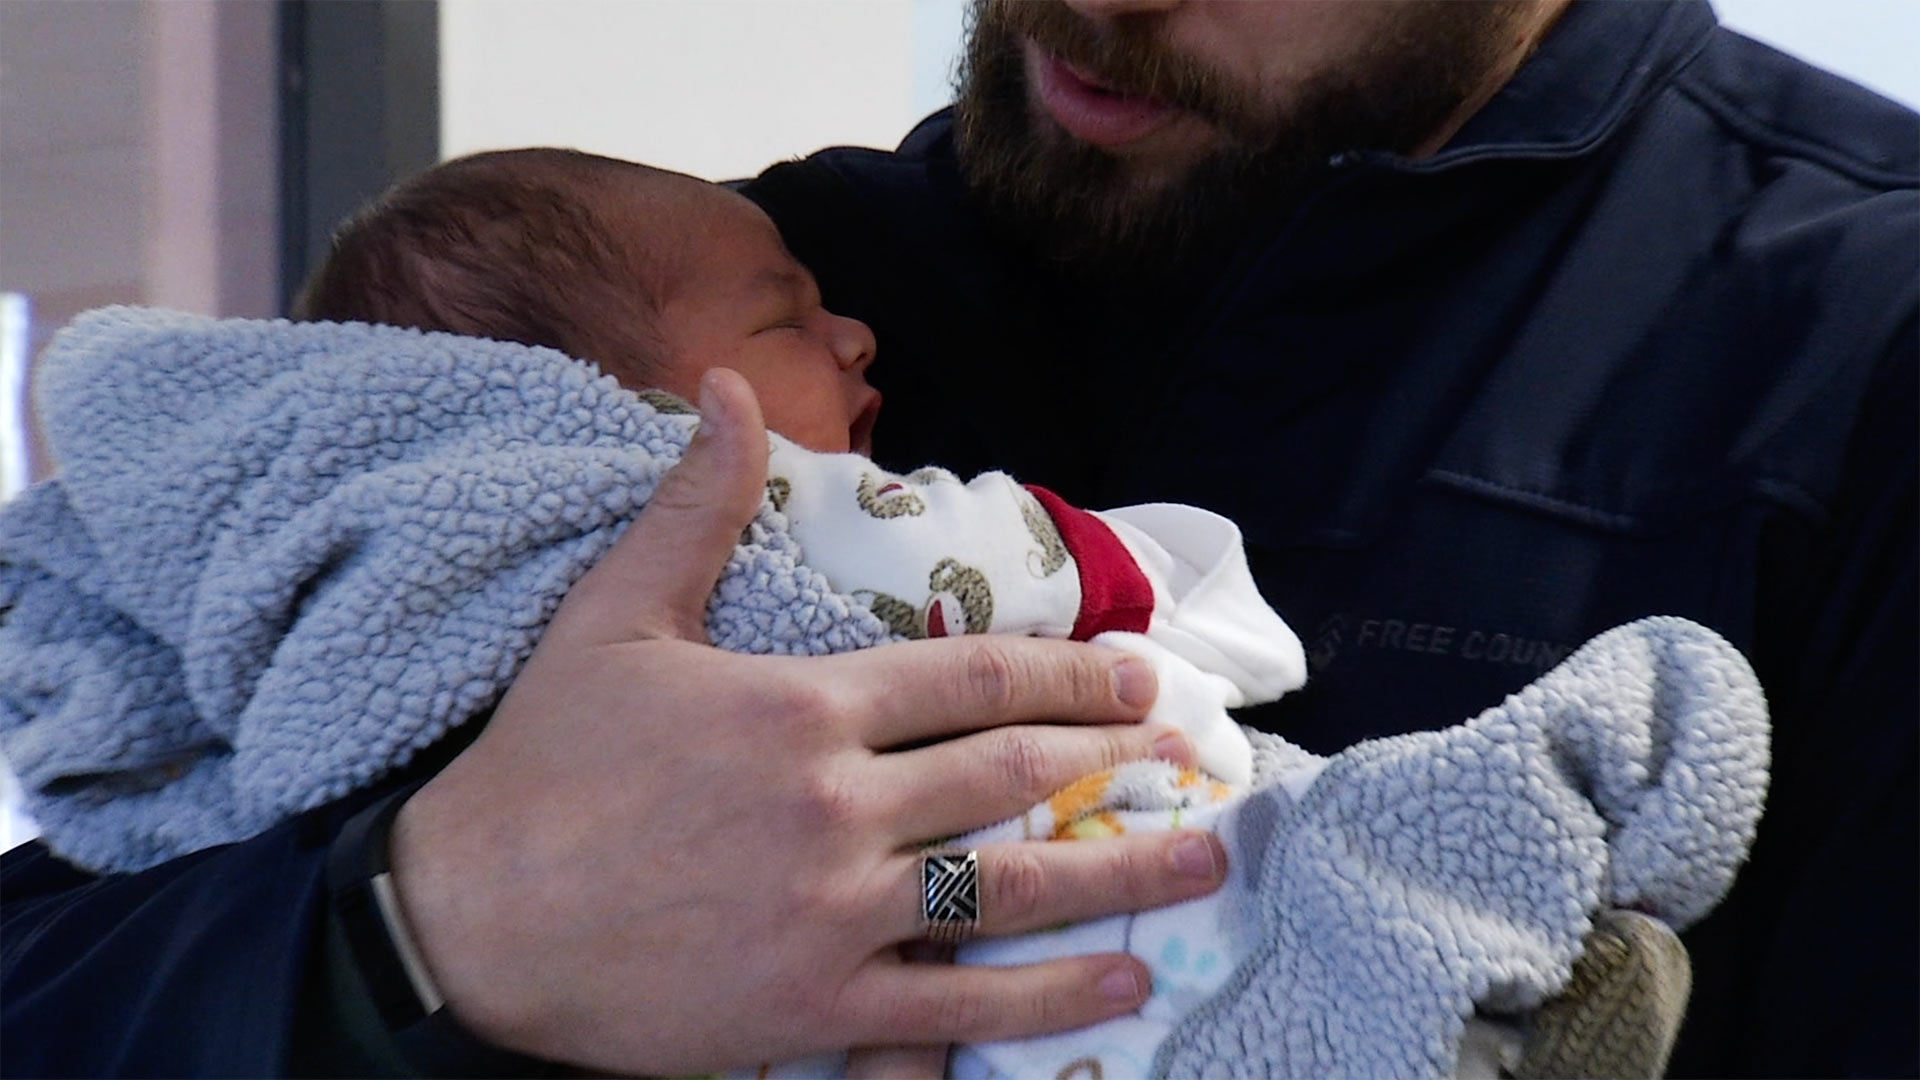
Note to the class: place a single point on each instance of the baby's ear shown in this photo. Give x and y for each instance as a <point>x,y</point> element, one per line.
<point>669,404</point>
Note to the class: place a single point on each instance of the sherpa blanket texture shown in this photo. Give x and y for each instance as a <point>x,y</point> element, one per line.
<point>1424,877</point>
<point>280,559</point>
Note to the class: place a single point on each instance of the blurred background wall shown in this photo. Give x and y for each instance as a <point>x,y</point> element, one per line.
<point>196,153</point>
<point>717,89</point>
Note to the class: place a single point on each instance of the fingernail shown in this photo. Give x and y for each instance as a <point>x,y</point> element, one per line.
<point>1133,682</point>
<point>1120,985</point>
<point>1194,857</point>
<point>1173,746</point>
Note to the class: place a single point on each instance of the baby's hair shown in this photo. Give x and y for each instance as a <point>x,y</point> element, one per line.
<point>524,245</point>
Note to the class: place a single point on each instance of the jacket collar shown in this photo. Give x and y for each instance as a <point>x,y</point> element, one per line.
<point>1599,66</point>
<point>1594,69</point>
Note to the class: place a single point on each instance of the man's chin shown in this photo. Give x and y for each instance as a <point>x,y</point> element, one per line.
<point>1129,207</point>
<point>1091,213</point>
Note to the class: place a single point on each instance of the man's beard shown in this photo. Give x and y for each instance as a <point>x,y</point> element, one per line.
<point>1082,208</point>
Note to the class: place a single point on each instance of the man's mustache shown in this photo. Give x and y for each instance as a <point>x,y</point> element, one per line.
<point>1126,55</point>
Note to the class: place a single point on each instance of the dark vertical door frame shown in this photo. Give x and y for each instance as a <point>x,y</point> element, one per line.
<point>359,109</point>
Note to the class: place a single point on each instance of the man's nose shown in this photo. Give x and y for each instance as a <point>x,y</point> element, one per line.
<point>1099,9</point>
<point>853,343</point>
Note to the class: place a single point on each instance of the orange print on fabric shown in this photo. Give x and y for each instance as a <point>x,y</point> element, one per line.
<point>1101,826</point>
<point>1079,797</point>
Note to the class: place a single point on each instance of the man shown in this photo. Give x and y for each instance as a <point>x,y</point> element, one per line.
<point>1465,431</point>
<point>1494,325</point>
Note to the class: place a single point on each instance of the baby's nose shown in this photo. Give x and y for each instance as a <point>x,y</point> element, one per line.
<point>853,343</point>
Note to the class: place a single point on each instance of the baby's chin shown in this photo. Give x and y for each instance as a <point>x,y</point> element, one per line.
<point>860,434</point>
<point>857,439</point>
<point>828,444</point>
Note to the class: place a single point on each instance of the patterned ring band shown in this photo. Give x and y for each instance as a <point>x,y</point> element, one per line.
<point>950,895</point>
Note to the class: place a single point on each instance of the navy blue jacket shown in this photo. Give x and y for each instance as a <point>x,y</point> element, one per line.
<point>1641,340</point>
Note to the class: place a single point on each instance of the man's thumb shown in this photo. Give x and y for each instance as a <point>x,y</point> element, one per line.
<point>655,581</point>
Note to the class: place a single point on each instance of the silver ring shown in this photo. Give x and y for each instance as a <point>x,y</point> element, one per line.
<point>950,895</point>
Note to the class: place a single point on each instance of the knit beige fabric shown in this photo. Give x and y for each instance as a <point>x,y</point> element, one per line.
<point>1621,1011</point>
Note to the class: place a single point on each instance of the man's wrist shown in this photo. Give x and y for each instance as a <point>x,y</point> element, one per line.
<point>365,915</point>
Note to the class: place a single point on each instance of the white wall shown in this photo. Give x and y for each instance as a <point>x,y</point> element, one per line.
<point>717,88</point>
<point>1875,42</point>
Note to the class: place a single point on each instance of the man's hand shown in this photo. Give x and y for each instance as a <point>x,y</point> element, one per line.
<point>664,858</point>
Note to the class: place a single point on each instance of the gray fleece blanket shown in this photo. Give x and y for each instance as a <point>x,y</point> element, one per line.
<point>281,559</point>
<point>1426,877</point>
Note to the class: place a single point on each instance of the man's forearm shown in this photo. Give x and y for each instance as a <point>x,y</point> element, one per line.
<point>195,967</point>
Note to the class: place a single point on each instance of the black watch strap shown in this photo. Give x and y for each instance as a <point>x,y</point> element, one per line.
<point>366,914</point>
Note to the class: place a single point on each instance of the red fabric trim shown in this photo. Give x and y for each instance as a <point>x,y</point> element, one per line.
<point>1114,593</point>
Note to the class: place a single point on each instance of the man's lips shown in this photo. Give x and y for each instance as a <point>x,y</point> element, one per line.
<point>1087,109</point>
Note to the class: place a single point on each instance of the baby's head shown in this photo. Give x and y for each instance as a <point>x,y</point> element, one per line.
<point>652,275</point>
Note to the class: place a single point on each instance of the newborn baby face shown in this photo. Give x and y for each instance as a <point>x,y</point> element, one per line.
<point>740,300</point>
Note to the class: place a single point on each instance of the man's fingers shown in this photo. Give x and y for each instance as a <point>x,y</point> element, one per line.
<point>655,581</point>
<point>971,782</point>
<point>919,1003</point>
<point>937,689</point>
<point>1032,886</point>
